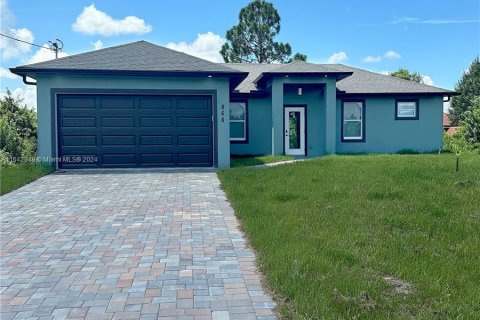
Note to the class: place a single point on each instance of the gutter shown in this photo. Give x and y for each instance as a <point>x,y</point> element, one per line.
<point>24,78</point>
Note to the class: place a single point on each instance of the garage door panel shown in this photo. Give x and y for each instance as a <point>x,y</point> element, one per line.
<point>128,140</point>
<point>118,122</point>
<point>153,140</point>
<point>89,122</point>
<point>119,159</point>
<point>190,159</point>
<point>157,159</point>
<point>192,122</point>
<point>193,140</point>
<point>130,131</point>
<point>157,103</point>
<point>79,140</point>
<point>152,122</point>
<point>78,103</point>
<point>193,103</point>
<point>120,102</point>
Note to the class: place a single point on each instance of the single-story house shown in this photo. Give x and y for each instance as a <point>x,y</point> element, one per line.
<point>143,105</point>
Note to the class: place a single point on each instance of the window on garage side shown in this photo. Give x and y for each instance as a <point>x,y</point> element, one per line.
<point>353,121</point>
<point>238,121</point>
<point>406,109</point>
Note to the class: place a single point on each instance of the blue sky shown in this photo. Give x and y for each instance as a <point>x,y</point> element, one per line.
<point>439,39</point>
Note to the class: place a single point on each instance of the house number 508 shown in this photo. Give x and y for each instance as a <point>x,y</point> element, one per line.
<point>223,113</point>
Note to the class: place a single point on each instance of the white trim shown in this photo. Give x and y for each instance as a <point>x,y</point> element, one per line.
<point>407,116</point>
<point>244,121</point>
<point>360,137</point>
<point>300,151</point>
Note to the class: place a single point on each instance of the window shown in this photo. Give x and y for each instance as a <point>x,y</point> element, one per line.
<point>238,121</point>
<point>353,121</point>
<point>406,110</point>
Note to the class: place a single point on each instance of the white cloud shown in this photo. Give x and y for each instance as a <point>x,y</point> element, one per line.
<point>372,59</point>
<point>15,49</point>
<point>7,18</point>
<point>5,73</point>
<point>92,21</point>
<point>97,44</point>
<point>10,48</point>
<point>206,46</point>
<point>390,55</point>
<point>44,54</point>
<point>338,57</point>
<point>427,80</point>
<point>446,106</point>
<point>27,93</point>
<point>432,21</point>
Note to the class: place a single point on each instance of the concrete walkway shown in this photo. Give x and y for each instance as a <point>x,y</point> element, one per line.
<point>129,244</point>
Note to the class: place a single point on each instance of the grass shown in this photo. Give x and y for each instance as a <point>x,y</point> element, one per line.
<point>14,176</point>
<point>247,161</point>
<point>328,231</point>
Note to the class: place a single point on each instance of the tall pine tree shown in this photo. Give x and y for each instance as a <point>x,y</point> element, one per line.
<point>252,39</point>
<point>469,89</point>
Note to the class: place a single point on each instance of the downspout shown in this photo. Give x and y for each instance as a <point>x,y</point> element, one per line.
<point>448,98</point>
<point>24,77</point>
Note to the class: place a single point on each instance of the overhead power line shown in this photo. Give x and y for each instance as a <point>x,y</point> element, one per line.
<point>32,44</point>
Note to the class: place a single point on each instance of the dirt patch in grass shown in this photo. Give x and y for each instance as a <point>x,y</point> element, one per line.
<point>399,286</point>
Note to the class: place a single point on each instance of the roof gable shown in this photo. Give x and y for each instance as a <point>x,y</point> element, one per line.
<point>358,82</point>
<point>135,56</point>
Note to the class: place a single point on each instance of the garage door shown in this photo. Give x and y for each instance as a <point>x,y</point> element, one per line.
<point>134,131</point>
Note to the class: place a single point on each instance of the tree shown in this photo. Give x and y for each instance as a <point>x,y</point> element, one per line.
<point>405,74</point>
<point>18,129</point>
<point>469,88</point>
<point>298,57</point>
<point>471,123</point>
<point>252,39</point>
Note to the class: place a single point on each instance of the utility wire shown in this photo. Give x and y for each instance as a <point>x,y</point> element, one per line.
<point>32,44</point>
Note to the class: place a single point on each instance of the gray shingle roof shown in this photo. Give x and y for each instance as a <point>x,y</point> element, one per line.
<point>143,56</point>
<point>254,71</point>
<point>363,81</point>
<point>360,82</point>
<point>135,56</point>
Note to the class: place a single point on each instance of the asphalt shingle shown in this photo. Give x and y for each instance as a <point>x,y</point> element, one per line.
<point>135,56</point>
<point>360,82</point>
<point>143,56</point>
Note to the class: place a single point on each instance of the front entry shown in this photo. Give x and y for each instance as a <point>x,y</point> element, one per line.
<point>294,131</point>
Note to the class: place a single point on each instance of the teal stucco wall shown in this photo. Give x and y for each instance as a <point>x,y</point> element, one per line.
<point>384,134</point>
<point>259,118</point>
<point>278,102</point>
<point>314,100</point>
<point>260,123</point>
<point>45,83</point>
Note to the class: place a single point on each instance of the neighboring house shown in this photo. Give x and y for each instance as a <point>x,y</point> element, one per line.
<point>140,104</point>
<point>447,125</point>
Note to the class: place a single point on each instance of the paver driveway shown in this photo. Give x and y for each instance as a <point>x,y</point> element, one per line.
<point>126,244</point>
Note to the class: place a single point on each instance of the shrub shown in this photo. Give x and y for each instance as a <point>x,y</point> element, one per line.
<point>18,130</point>
<point>471,124</point>
<point>456,143</point>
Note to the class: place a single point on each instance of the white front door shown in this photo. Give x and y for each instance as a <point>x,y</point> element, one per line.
<point>294,131</point>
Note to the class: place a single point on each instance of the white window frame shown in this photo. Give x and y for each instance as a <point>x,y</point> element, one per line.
<point>244,121</point>
<point>350,120</point>
<point>397,109</point>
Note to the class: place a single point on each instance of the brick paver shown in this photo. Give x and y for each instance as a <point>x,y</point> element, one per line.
<point>126,244</point>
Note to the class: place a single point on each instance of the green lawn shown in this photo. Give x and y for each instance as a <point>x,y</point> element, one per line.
<point>328,231</point>
<point>15,176</point>
<point>247,161</point>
